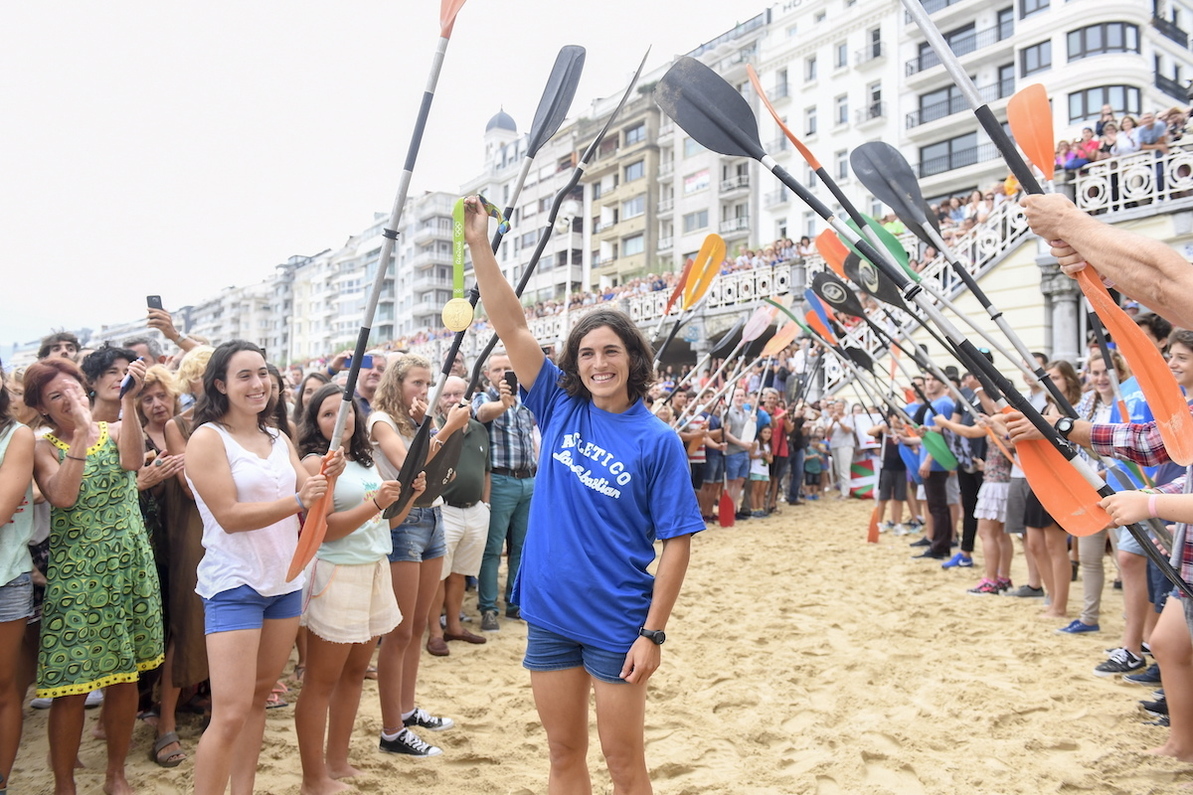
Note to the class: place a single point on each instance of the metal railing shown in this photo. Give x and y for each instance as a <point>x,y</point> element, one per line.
<point>1172,88</point>
<point>666,243</point>
<point>957,104</point>
<point>871,52</point>
<point>666,168</point>
<point>731,225</point>
<point>1171,30</point>
<point>775,198</point>
<point>875,110</point>
<point>957,159</point>
<point>736,182</point>
<point>666,205</point>
<point>962,44</point>
<point>1123,184</point>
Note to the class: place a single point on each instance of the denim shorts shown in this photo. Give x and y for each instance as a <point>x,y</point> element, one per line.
<point>420,537</point>
<point>16,599</point>
<point>1127,543</point>
<point>244,608</point>
<point>548,651</point>
<point>714,469</point>
<point>737,465</point>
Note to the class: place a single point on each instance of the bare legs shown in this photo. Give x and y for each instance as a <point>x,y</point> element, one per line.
<point>1135,604</point>
<point>997,549</point>
<point>11,635</point>
<point>397,662</point>
<point>66,730</point>
<point>1174,653</point>
<point>1050,546</point>
<point>334,677</point>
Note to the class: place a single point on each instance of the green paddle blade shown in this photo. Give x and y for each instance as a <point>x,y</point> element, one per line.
<point>938,448</point>
<point>888,241</point>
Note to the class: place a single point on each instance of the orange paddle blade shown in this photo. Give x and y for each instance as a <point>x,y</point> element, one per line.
<point>726,511</point>
<point>1155,379</point>
<point>314,529</point>
<point>707,266</point>
<point>804,151</point>
<point>872,533</point>
<point>1068,498</point>
<point>447,16</point>
<point>833,251</point>
<point>783,337</point>
<point>813,320</point>
<point>1030,118</point>
<point>683,279</point>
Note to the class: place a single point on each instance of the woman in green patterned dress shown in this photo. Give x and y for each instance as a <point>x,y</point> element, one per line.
<point>101,621</point>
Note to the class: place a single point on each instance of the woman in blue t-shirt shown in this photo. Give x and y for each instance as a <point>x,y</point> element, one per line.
<point>611,479</point>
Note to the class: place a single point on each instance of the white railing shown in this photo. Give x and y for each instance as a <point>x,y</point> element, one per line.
<point>730,225</point>
<point>735,182</point>
<point>666,205</point>
<point>666,243</point>
<point>1124,183</point>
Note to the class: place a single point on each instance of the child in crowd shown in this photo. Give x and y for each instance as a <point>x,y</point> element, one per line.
<point>814,466</point>
<point>760,458</point>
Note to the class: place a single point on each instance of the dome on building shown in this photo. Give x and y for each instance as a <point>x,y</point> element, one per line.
<point>502,121</point>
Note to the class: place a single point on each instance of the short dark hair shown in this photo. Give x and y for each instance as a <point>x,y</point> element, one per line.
<point>212,405</point>
<point>311,440</point>
<point>641,357</point>
<point>51,340</point>
<point>99,360</point>
<point>1158,326</point>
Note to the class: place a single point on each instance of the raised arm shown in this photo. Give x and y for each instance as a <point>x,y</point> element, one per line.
<point>501,304</point>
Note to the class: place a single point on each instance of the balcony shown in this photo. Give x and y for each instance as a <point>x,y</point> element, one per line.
<point>666,205</point>
<point>666,168</point>
<point>962,45</point>
<point>432,257</point>
<point>1172,31</point>
<point>430,279</point>
<point>872,112</point>
<point>957,159</point>
<point>781,91</point>
<point>603,226</point>
<point>780,144</point>
<point>869,54</point>
<point>735,226</point>
<point>735,183</point>
<point>431,208</point>
<point>957,104</point>
<point>425,233</point>
<point>666,243</point>
<point>1172,88</point>
<point>776,198</point>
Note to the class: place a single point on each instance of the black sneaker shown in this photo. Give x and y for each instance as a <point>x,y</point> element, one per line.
<point>409,743</point>
<point>1156,708</point>
<point>489,621</point>
<point>1149,677</point>
<point>425,720</point>
<point>928,555</point>
<point>923,542</point>
<point>1121,662</point>
<point>514,612</point>
<point>1160,721</point>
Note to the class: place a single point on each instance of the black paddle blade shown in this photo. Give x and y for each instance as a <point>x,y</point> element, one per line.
<point>440,470</point>
<point>728,341</point>
<point>860,358</point>
<point>709,109</point>
<point>836,293</point>
<point>557,97</point>
<point>416,458</point>
<point>887,174</point>
<point>873,282</point>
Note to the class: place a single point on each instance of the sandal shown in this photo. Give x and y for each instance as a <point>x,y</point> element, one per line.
<point>370,673</point>
<point>172,759</point>
<point>275,700</point>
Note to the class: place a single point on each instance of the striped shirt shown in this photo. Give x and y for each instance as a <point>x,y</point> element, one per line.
<point>511,434</point>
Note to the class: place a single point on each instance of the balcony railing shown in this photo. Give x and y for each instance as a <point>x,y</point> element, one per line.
<point>780,91</point>
<point>604,226</point>
<point>962,44</point>
<point>736,182</point>
<point>875,110</point>
<point>1171,30</point>
<point>666,168</point>
<point>1124,183</point>
<point>666,205</point>
<point>775,198</point>
<point>957,104</point>
<point>431,257</point>
<point>871,52</point>
<point>739,224</point>
<point>780,144</point>
<point>957,159</point>
<point>1172,88</point>
<point>666,243</point>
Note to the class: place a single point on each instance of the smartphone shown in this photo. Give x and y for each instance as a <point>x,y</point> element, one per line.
<point>154,301</point>
<point>511,378</point>
<point>366,362</point>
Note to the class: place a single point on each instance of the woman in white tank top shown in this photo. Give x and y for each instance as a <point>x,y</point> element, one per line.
<point>249,487</point>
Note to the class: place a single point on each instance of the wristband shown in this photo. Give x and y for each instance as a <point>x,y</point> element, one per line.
<point>1151,506</point>
<point>298,500</point>
<point>377,504</point>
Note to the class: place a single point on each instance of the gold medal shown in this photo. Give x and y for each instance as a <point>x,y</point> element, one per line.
<point>457,314</point>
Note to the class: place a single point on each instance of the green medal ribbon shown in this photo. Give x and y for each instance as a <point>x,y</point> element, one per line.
<point>457,313</point>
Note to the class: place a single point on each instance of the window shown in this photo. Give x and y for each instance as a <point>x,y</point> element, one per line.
<point>961,41</point>
<point>545,203</point>
<point>811,220</point>
<point>874,107</point>
<point>691,148</point>
<point>635,134</point>
<point>874,48</point>
<point>695,221</point>
<point>1107,37</point>
<point>842,56</point>
<point>633,245</point>
<point>842,106</point>
<point>1035,58</point>
<point>1088,104</point>
<point>842,160</point>
<point>529,210</point>
<point>820,16</point>
<point>1006,23</point>
<point>632,208</point>
<point>810,120</point>
<point>947,155</point>
<point>635,171</point>
<point>1006,80</point>
<point>1029,7</point>
<point>696,182</point>
<point>810,68</point>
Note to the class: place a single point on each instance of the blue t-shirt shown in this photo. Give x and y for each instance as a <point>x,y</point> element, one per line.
<point>945,407</point>
<point>607,486</point>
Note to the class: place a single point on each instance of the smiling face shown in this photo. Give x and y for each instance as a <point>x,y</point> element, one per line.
<point>605,369</point>
<point>1099,377</point>
<point>1180,362</point>
<point>58,399</point>
<point>327,419</point>
<point>107,385</point>
<point>369,379</point>
<point>248,383</point>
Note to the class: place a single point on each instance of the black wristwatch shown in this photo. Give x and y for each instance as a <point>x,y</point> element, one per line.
<point>655,635</point>
<point>1064,426</point>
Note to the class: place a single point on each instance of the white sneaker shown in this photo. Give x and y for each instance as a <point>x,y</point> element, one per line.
<point>41,703</point>
<point>94,698</point>
<point>900,530</point>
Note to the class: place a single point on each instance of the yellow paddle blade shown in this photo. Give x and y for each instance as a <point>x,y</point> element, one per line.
<point>783,337</point>
<point>704,269</point>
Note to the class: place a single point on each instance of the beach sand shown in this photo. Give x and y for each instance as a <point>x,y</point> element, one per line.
<point>799,660</point>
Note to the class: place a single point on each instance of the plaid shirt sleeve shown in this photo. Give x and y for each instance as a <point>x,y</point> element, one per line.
<point>1138,443</point>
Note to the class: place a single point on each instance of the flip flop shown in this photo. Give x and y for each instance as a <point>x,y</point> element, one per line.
<point>275,700</point>
<point>171,760</point>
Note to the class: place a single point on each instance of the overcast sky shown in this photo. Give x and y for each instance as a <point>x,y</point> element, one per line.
<point>180,148</point>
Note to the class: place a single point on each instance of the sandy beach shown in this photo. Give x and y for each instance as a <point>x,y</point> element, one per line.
<point>799,660</point>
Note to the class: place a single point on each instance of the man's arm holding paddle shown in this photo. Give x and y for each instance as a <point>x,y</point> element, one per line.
<point>501,303</point>
<point>1145,269</point>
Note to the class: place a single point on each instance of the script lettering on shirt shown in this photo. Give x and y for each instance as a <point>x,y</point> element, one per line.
<point>572,448</point>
